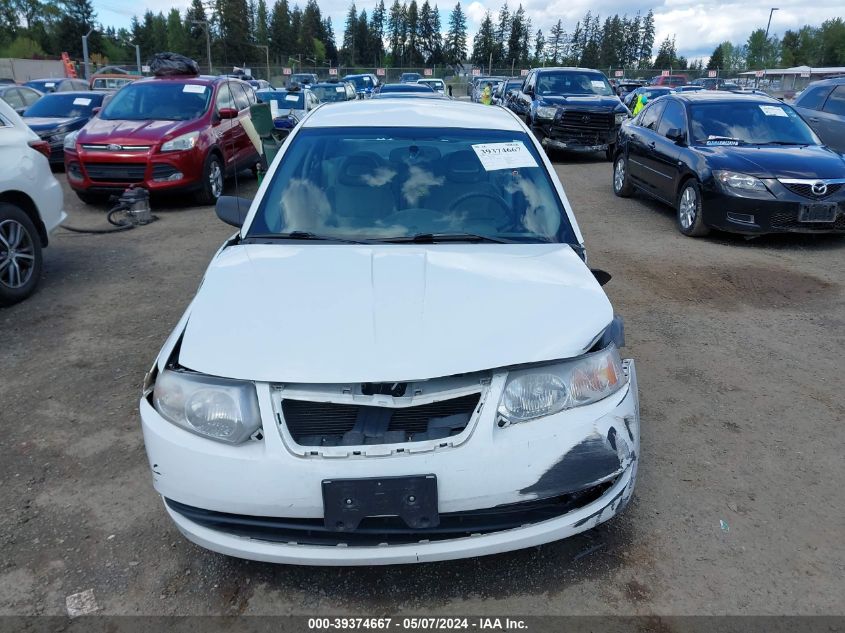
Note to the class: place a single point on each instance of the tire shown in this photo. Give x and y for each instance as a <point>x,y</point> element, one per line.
<point>689,210</point>
<point>91,198</point>
<point>622,186</point>
<point>211,186</point>
<point>20,255</point>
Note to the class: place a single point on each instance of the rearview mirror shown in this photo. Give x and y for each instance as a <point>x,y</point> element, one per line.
<point>602,276</point>
<point>232,210</point>
<point>228,113</point>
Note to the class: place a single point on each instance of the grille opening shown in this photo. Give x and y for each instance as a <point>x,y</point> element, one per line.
<point>329,424</point>
<point>389,529</point>
<point>806,190</point>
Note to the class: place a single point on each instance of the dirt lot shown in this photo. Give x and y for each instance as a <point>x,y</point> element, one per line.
<point>739,507</point>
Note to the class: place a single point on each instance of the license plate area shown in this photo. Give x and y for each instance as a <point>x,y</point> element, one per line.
<point>346,502</point>
<point>818,212</point>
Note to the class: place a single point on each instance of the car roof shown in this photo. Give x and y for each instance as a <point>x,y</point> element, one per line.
<point>833,81</point>
<point>575,68</point>
<point>203,79</point>
<point>77,93</point>
<point>721,96</point>
<point>413,111</point>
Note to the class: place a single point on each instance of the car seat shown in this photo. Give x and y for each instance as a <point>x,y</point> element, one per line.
<point>464,175</point>
<point>363,189</point>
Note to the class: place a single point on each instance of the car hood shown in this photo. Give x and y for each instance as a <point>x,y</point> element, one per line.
<point>777,161</point>
<point>44,124</point>
<point>338,313</point>
<point>582,102</point>
<point>123,132</point>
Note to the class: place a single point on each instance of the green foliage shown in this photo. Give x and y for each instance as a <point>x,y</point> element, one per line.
<point>22,47</point>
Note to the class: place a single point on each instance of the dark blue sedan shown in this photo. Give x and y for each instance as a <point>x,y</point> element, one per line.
<point>57,114</point>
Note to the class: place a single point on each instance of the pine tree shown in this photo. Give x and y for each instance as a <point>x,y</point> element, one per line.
<point>484,43</point>
<point>396,28</point>
<point>502,35</point>
<point>456,38</point>
<point>437,38</point>
<point>330,41</point>
<point>195,32</point>
<point>377,31</point>
<point>539,48</point>
<point>413,56</point>
<point>262,23</point>
<point>176,36</point>
<point>667,56</point>
<point>558,37</point>
<point>646,41</point>
<point>516,37</point>
<point>717,58</point>
<point>281,35</point>
<point>350,30</point>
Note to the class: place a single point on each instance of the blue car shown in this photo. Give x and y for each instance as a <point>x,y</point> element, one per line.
<point>365,84</point>
<point>57,114</point>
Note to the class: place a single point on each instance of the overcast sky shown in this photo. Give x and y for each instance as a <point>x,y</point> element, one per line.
<point>698,25</point>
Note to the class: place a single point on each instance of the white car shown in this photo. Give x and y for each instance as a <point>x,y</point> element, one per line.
<point>401,356</point>
<point>31,206</point>
<point>435,84</point>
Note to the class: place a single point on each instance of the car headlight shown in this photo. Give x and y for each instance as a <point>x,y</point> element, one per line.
<point>546,112</point>
<point>742,182</point>
<point>216,408</point>
<point>70,140</point>
<point>544,390</point>
<point>181,143</point>
<point>620,117</point>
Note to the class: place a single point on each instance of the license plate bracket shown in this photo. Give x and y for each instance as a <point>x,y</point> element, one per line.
<point>818,212</point>
<point>346,502</point>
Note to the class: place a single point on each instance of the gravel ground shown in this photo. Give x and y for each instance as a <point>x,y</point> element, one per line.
<point>739,507</point>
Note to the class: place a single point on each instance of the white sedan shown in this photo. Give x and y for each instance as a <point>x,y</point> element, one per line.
<point>31,206</point>
<point>401,355</point>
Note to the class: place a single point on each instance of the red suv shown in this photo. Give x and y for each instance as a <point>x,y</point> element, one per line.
<point>166,134</point>
<point>672,81</point>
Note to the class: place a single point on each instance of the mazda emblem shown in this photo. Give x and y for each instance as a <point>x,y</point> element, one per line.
<point>819,188</point>
<point>585,118</point>
<point>114,147</point>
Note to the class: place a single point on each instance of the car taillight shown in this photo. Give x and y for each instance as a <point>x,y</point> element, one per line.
<point>41,146</point>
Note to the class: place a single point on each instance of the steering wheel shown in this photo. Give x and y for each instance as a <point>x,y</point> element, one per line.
<point>481,194</point>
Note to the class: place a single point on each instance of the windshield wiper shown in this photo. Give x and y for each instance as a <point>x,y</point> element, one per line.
<point>720,139</point>
<point>431,238</point>
<point>302,235</point>
<point>785,143</point>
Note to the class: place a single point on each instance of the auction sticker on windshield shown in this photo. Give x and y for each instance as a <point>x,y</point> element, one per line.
<point>339,89</point>
<point>196,89</point>
<point>769,110</point>
<point>81,101</point>
<point>291,98</point>
<point>511,155</point>
<point>597,83</point>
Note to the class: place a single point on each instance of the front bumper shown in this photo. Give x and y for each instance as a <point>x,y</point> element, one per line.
<point>751,216</point>
<point>593,448</point>
<point>101,171</point>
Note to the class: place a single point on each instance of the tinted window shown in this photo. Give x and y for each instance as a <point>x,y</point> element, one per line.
<point>57,104</point>
<point>572,82</point>
<point>29,96</point>
<point>12,97</point>
<point>731,123</point>
<point>283,100</point>
<point>651,114</point>
<point>673,118</point>
<point>391,182</point>
<point>329,93</point>
<point>158,101</point>
<point>813,97</point>
<point>835,103</point>
<point>241,100</point>
<point>224,98</point>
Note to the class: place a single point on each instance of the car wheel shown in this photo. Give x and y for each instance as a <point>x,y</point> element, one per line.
<point>690,220</point>
<point>20,255</point>
<point>211,186</point>
<point>622,186</point>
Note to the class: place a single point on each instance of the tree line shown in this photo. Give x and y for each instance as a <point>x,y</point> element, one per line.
<point>407,33</point>
<point>808,46</point>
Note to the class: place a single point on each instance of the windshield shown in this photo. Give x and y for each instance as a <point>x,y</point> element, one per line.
<point>302,79</point>
<point>63,105</point>
<point>329,93</point>
<point>410,76</point>
<point>158,101</point>
<point>381,183</point>
<point>732,123</point>
<point>282,100</point>
<point>573,83</point>
<point>405,88</point>
<point>44,85</point>
<point>361,82</point>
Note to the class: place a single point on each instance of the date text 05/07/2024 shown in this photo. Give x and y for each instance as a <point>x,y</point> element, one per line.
<point>417,623</point>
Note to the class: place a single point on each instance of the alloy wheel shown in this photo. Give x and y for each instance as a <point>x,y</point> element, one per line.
<point>215,177</point>
<point>619,174</point>
<point>687,208</point>
<point>17,254</point>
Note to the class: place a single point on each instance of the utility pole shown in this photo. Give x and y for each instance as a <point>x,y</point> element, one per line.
<point>85,51</point>
<point>266,55</point>
<point>138,57</point>
<point>207,40</point>
<point>771,11</point>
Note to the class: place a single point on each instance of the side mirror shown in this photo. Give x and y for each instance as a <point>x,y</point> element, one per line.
<point>602,276</point>
<point>675,134</point>
<point>228,113</point>
<point>232,210</point>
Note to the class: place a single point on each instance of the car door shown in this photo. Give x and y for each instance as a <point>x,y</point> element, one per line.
<point>246,149</point>
<point>226,130</point>
<point>642,141</point>
<point>831,120</point>
<point>809,104</point>
<point>663,159</point>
